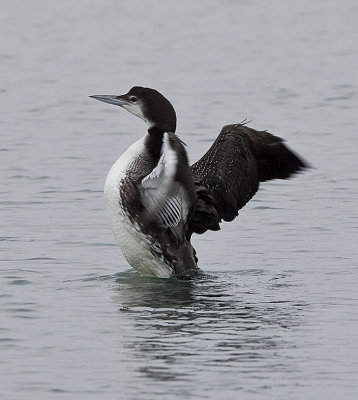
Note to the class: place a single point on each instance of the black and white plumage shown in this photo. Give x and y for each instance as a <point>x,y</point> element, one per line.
<point>157,201</point>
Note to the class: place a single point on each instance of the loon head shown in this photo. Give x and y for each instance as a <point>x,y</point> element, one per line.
<point>147,104</point>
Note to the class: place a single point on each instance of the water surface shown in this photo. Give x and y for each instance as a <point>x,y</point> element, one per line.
<point>274,313</point>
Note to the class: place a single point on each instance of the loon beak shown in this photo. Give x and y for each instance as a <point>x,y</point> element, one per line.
<point>110,99</point>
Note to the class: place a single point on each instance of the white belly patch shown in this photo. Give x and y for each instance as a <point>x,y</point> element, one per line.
<point>134,244</point>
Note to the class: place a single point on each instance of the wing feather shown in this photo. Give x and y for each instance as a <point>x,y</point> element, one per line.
<point>229,174</point>
<point>162,195</point>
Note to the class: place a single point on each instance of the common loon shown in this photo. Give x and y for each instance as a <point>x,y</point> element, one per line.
<point>156,200</point>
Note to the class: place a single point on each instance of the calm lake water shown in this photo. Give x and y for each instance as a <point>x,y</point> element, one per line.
<point>275,313</point>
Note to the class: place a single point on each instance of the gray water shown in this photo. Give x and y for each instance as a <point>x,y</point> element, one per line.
<point>274,314</point>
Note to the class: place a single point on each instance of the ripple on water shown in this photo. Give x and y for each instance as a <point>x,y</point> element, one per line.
<point>20,282</point>
<point>212,319</point>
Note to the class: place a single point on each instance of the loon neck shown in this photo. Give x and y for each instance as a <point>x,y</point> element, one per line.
<point>155,131</point>
<point>154,141</point>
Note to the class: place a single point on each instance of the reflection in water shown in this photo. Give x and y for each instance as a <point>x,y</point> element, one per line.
<point>181,328</point>
<point>138,291</point>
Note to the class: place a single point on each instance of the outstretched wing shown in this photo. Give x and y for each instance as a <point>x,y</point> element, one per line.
<point>165,198</point>
<point>228,175</point>
<point>162,193</point>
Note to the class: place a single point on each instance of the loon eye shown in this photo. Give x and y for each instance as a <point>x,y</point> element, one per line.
<point>133,99</point>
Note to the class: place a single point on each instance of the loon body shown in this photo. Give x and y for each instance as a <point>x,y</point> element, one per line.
<point>156,201</point>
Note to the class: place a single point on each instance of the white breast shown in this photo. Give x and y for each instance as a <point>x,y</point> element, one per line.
<point>134,244</point>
